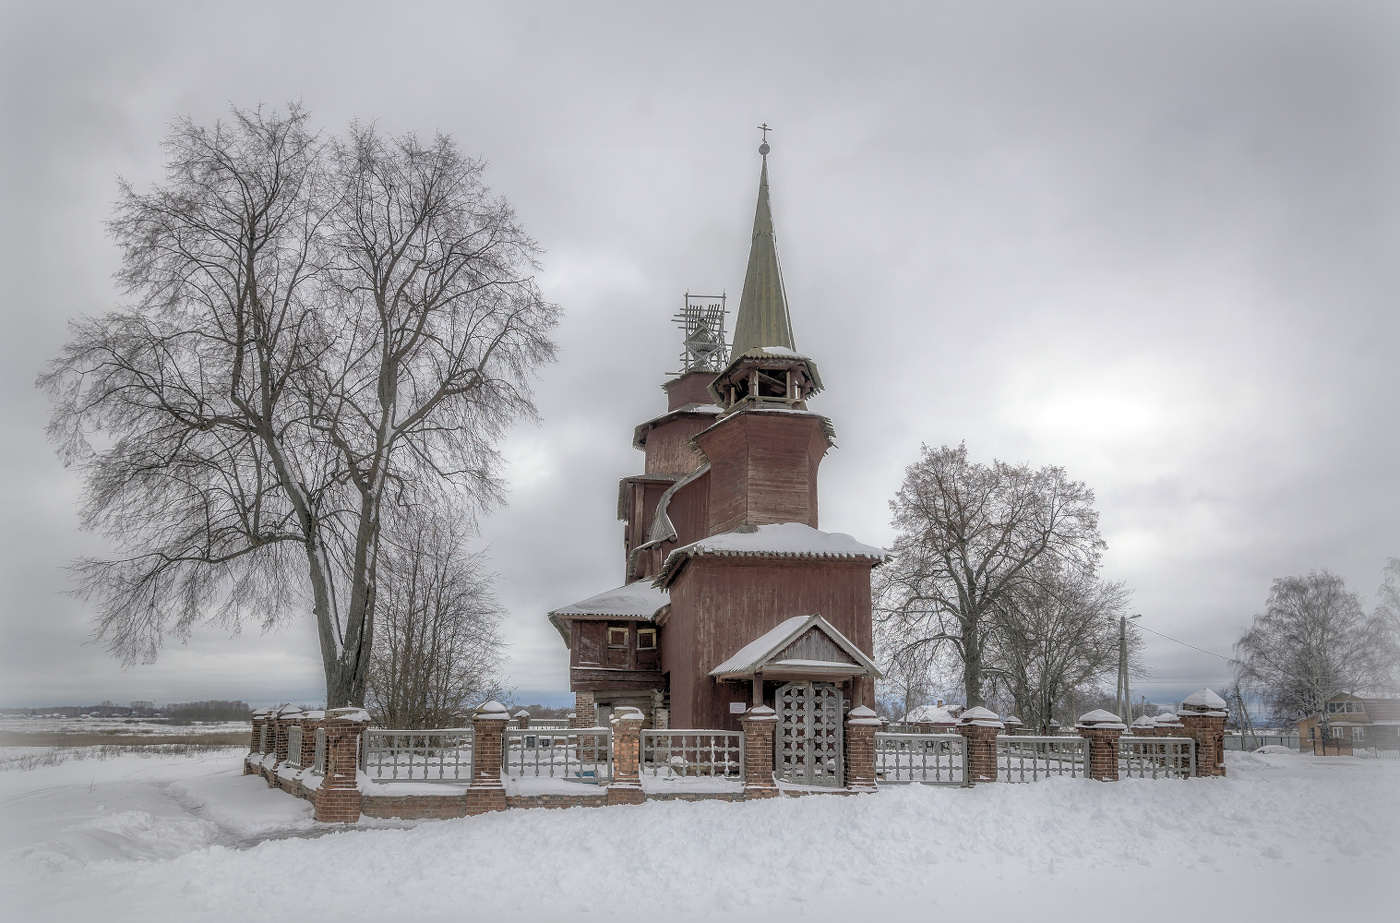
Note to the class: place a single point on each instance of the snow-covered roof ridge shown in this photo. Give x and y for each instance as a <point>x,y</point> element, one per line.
<point>780,539</point>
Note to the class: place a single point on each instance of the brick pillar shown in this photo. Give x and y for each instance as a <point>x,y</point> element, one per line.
<point>1208,730</point>
<point>585,711</point>
<point>487,792</point>
<point>626,785</point>
<point>338,798</point>
<point>861,725</point>
<point>759,724</point>
<point>522,719</point>
<point>1101,730</point>
<point>310,721</point>
<point>979,727</point>
<point>255,742</point>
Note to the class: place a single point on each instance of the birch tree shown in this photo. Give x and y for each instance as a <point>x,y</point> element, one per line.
<point>1314,640</point>
<point>967,535</point>
<point>315,328</point>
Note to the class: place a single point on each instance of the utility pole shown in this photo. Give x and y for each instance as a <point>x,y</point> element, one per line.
<point>1125,696</point>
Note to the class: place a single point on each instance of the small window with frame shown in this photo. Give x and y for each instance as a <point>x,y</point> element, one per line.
<point>646,639</point>
<point>617,637</point>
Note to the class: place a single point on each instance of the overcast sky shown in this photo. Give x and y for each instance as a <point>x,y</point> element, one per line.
<point>1155,243</point>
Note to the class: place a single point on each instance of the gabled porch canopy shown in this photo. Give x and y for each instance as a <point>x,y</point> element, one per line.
<point>803,647</point>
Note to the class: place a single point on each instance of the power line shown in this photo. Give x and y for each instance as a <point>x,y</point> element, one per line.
<point>1184,644</point>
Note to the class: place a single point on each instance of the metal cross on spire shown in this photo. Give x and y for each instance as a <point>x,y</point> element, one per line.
<point>765,129</point>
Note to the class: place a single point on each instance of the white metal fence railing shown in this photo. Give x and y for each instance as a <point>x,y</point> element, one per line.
<point>1255,741</point>
<point>319,766</point>
<point>1156,757</point>
<point>548,724</point>
<point>693,753</point>
<point>293,747</point>
<point>574,755</point>
<point>439,755</point>
<point>1028,758</point>
<point>929,759</point>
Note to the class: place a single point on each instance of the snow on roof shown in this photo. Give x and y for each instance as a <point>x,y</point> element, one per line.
<point>755,655</point>
<point>1101,718</point>
<point>1204,698</point>
<point>783,539</point>
<point>638,600</point>
<point>929,714</point>
<point>1012,721</point>
<point>1145,721</point>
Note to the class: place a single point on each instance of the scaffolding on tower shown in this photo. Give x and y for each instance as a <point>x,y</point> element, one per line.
<point>702,322</point>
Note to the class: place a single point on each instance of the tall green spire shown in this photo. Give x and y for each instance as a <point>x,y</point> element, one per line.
<point>763,312</point>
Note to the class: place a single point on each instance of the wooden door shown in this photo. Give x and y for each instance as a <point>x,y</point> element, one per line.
<point>807,747</point>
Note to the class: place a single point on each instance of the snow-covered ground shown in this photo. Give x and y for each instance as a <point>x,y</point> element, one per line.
<point>118,727</point>
<point>1287,837</point>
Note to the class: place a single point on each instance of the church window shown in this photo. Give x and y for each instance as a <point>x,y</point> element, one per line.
<point>646,639</point>
<point>617,637</point>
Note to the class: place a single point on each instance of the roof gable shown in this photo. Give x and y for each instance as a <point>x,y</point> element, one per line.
<point>807,642</point>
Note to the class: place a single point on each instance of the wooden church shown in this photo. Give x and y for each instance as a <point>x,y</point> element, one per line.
<point>733,596</point>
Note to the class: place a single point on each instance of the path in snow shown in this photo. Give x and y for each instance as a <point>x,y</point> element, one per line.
<point>1286,836</point>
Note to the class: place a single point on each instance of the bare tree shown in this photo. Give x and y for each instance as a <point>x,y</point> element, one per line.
<point>1055,639</point>
<point>966,535</point>
<point>1312,641</point>
<point>316,328</point>
<point>913,674</point>
<point>438,649</point>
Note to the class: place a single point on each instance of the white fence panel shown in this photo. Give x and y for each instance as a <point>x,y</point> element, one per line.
<point>1029,758</point>
<point>691,753</point>
<point>574,755</point>
<point>927,759</point>
<point>439,755</point>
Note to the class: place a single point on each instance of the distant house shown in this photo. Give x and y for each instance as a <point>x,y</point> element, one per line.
<point>1353,722</point>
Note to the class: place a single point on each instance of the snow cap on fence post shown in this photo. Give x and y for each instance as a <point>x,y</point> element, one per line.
<point>626,785</point>
<point>522,718</point>
<point>1102,729</point>
<point>1203,717</point>
<point>759,723</point>
<point>861,725</point>
<point>979,727</point>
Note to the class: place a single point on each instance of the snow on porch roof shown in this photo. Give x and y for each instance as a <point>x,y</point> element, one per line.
<point>762,651</point>
<point>783,540</point>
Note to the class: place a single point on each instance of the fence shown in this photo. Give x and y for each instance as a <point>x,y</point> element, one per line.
<point>1156,757</point>
<point>582,755</point>
<point>1028,758</point>
<point>262,738</point>
<point>693,753</point>
<point>1255,741</point>
<point>928,759</point>
<point>442,755</point>
<point>293,747</point>
<point>549,724</point>
<point>319,766</point>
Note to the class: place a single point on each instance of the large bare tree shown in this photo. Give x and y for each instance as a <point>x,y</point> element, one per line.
<point>967,535</point>
<point>1314,640</point>
<point>315,328</point>
<point>1056,638</point>
<point>438,648</point>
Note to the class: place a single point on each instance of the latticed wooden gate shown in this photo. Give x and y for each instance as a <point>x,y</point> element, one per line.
<point>808,743</point>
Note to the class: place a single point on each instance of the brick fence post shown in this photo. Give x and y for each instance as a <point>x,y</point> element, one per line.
<point>338,798</point>
<point>1101,730</point>
<point>979,727</point>
<point>522,719</point>
<point>310,721</point>
<point>585,713</point>
<point>759,724</point>
<point>626,785</point>
<point>1203,717</point>
<point>255,741</point>
<point>861,725</point>
<point>487,792</point>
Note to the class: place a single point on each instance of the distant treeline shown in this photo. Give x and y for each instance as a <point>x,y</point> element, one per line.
<point>212,710</point>
<point>176,712</point>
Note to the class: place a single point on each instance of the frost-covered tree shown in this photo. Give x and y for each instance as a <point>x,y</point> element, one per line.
<point>1314,640</point>
<point>316,327</point>
<point>967,538</point>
